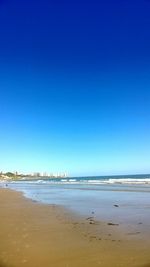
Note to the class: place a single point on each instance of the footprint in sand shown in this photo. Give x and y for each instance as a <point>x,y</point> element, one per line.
<point>24,261</point>
<point>25,236</point>
<point>27,246</point>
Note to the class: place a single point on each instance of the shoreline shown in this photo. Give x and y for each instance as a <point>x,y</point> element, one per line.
<point>33,234</point>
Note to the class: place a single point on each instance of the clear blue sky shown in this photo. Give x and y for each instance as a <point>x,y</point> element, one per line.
<point>75,86</point>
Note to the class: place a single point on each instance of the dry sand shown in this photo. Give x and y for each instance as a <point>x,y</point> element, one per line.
<point>32,234</point>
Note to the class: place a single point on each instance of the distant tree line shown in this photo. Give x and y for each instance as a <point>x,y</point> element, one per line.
<point>9,174</point>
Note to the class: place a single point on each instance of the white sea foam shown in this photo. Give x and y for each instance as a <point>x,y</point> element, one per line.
<point>109,181</point>
<point>95,181</point>
<point>129,181</point>
<point>98,181</point>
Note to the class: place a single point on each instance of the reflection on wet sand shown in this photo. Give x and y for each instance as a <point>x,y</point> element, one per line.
<point>32,234</point>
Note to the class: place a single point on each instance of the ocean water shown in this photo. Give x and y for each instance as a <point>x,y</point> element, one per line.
<point>94,195</point>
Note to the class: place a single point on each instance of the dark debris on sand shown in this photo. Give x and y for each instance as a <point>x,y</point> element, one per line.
<point>113,224</point>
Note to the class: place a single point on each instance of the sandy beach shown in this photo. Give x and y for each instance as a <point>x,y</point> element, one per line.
<point>33,234</point>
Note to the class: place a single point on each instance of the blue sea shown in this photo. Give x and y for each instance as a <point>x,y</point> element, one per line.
<point>123,199</point>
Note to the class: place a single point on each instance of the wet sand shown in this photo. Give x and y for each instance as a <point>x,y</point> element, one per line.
<point>33,234</point>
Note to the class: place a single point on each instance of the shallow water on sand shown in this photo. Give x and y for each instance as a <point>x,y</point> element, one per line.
<point>120,203</point>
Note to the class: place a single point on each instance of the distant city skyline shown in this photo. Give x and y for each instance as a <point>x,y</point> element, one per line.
<point>75,86</point>
<point>35,174</point>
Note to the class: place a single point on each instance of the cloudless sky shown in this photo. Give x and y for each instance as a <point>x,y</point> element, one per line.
<point>75,86</point>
